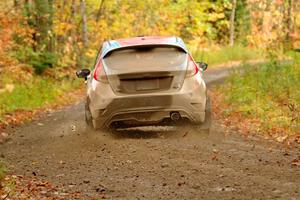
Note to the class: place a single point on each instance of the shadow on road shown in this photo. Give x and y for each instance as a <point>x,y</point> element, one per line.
<point>146,132</point>
<point>154,132</point>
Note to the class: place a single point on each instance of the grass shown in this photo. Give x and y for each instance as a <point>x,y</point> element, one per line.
<point>226,54</point>
<point>3,171</point>
<point>35,92</point>
<point>268,92</point>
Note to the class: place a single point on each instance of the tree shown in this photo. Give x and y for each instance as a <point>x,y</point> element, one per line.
<point>242,21</point>
<point>232,23</point>
<point>44,24</point>
<point>84,23</point>
<point>100,10</point>
<point>288,24</point>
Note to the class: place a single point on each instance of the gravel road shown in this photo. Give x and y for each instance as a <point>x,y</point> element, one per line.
<point>153,163</point>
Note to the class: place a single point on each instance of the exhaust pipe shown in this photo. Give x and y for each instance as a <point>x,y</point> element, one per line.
<point>175,116</point>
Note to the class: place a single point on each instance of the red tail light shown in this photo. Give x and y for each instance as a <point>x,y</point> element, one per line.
<point>192,69</point>
<point>99,73</point>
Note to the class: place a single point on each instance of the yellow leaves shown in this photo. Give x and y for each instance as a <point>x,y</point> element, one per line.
<point>8,88</point>
<point>129,18</point>
<point>269,22</point>
<point>297,19</point>
<point>216,16</point>
<point>91,53</point>
<point>62,28</point>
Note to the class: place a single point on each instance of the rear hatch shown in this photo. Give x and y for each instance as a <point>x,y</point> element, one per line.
<point>146,69</point>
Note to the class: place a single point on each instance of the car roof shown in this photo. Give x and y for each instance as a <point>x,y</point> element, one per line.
<point>112,45</point>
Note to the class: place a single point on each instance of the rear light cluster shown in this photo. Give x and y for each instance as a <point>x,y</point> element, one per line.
<point>99,73</point>
<point>192,69</point>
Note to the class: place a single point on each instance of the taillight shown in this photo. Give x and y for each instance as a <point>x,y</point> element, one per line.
<point>192,69</point>
<point>99,73</point>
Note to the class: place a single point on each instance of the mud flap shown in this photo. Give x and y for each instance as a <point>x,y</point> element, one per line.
<point>205,126</point>
<point>88,118</point>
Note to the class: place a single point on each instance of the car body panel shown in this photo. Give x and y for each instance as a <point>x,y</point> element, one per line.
<point>140,69</point>
<point>147,103</point>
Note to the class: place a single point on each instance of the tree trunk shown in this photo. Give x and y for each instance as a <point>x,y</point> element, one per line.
<point>84,23</point>
<point>16,4</point>
<point>232,23</point>
<point>43,24</point>
<point>72,19</point>
<point>100,10</point>
<point>76,52</point>
<point>28,7</point>
<point>50,45</point>
<point>288,25</point>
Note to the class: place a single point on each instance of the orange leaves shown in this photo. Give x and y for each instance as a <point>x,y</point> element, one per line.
<point>20,187</point>
<point>5,37</point>
<point>247,125</point>
<point>11,31</point>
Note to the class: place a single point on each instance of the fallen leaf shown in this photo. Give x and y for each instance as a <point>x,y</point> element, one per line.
<point>185,134</point>
<point>281,138</point>
<point>296,162</point>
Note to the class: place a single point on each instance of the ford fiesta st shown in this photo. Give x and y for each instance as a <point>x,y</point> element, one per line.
<point>145,81</point>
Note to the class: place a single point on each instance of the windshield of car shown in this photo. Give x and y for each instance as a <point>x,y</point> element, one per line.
<point>146,57</point>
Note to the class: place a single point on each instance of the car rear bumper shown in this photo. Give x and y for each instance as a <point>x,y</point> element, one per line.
<point>143,110</point>
<point>106,107</point>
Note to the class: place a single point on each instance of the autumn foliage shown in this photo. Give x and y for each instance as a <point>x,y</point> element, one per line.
<point>45,33</point>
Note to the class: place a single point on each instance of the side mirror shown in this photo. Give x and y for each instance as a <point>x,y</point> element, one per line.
<point>83,73</point>
<point>202,65</point>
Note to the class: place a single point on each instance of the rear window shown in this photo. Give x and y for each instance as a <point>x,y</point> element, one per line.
<point>145,57</point>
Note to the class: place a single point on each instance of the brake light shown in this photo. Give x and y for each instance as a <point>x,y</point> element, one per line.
<point>192,68</point>
<point>99,74</point>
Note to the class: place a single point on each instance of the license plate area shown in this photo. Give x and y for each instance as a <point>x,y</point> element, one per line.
<point>147,84</point>
<point>131,86</point>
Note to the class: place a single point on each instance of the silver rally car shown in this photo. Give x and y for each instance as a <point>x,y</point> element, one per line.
<point>145,81</point>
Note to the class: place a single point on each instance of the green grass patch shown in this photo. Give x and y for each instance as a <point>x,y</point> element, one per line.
<point>2,171</point>
<point>33,93</point>
<point>268,92</point>
<point>226,54</point>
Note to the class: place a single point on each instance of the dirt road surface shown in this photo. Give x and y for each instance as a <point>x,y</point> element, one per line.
<point>153,163</point>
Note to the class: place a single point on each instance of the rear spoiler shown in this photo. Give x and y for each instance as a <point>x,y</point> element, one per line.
<point>105,53</point>
<point>113,45</point>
